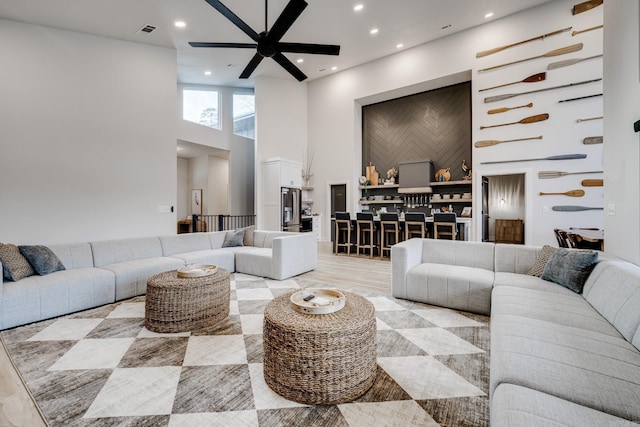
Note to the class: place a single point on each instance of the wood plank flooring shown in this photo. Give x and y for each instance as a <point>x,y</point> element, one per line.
<point>340,271</point>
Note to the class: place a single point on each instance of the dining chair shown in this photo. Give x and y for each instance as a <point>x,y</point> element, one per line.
<point>343,230</point>
<point>445,225</point>
<point>366,233</point>
<point>415,225</point>
<point>390,232</point>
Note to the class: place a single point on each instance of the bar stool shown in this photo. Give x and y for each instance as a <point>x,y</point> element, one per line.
<point>445,224</point>
<point>367,231</point>
<point>344,229</point>
<point>390,231</point>
<point>415,225</point>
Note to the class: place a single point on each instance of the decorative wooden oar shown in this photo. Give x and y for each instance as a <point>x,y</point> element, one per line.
<point>568,62</point>
<point>489,143</point>
<point>505,109</point>
<point>558,157</point>
<point>513,95</point>
<point>588,119</point>
<point>592,140</point>
<point>500,48</point>
<point>534,78</point>
<point>587,5</point>
<point>570,193</point>
<point>571,208</point>
<point>592,182</point>
<point>580,97</point>
<point>575,33</point>
<point>526,120</point>
<point>558,174</point>
<point>555,52</point>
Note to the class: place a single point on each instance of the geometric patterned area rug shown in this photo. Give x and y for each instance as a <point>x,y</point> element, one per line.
<point>101,367</point>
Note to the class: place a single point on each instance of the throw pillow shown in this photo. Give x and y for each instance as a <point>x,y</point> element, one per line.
<point>42,259</point>
<point>248,235</point>
<point>541,260</point>
<point>233,238</point>
<point>570,268</point>
<point>14,265</point>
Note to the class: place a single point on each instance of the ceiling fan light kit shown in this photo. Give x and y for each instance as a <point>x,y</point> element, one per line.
<point>267,43</point>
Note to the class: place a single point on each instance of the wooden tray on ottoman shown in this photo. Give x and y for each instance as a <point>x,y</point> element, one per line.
<point>180,304</point>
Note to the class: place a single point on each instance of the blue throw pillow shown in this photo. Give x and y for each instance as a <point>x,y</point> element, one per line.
<point>42,259</point>
<point>570,268</point>
<point>233,238</point>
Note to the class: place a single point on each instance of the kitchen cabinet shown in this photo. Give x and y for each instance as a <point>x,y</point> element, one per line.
<point>277,173</point>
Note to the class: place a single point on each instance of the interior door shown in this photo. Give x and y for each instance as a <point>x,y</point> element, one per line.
<point>485,209</point>
<point>338,198</point>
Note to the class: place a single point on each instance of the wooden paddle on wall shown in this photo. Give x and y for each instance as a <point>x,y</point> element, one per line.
<point>526,120</point>
<point>592,140</point>
<point>558,174</point>
<point>534,78</point>
<point>575,33</point>
<point>500,48</point>
<point>489,143</point>
<point>505,109</point>
<point>555,52</point>
<point>572,208</point>
<point>558,157</point>
<point>495,98</point>
<point>585,6</point>
<point>593,182</point>
<point>570,193</point>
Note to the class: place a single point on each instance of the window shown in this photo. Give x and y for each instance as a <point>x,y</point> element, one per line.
<point>244,113</point>
<point>202,107</point>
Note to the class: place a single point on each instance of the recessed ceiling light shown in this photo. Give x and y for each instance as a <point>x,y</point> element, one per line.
<point>207,73</point>
<point>180,24</point>
<point>300,61</point>
<point>358,7</point>
<point>334,68</point>
<point>399,46</point>
<point>374,31</point>
<point>488,15</point>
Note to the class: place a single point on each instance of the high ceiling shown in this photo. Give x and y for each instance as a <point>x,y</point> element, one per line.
<point>410,22</point>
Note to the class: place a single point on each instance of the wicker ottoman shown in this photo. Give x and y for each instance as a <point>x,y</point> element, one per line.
<point>177,304</point>
<point>323,358</point>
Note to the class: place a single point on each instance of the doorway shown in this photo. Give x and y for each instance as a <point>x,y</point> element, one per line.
<point>338,198</point>
<point>504,208</point>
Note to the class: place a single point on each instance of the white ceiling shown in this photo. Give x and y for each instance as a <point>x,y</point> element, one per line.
<point>411,22</point>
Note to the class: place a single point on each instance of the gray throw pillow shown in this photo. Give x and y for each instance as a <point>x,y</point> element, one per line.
<point>14,265</point>
<point>570,268</point>
<point>248,235</point>
<point>42,259</point>
<point>233,238</point>
<point>541,260</point>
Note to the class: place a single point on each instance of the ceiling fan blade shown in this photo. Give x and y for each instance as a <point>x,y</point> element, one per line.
<point>251,66</point>
<point>318,49</point>
<point>288,65</point>
<point>234,19</point>
<point>288,16</point>
<point>238,45</point>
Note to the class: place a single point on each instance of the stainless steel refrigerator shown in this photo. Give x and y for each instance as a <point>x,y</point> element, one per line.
<point>291,215</point>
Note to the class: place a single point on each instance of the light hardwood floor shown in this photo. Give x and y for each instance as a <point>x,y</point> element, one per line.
<point>340,271</point>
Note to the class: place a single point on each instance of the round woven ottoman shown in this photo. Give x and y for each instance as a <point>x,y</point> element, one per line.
<point>178,304</point>
<point>320,358</point>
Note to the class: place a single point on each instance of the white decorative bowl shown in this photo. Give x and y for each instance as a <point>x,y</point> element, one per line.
<point>197,270</point>
<point>324,301</point>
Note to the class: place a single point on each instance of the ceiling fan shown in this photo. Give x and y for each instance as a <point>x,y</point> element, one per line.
<point>268,42</point>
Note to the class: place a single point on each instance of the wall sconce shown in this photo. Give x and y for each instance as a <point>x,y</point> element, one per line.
<point>503,202</point>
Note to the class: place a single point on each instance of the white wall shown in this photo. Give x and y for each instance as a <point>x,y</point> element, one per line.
<point>334,105</point>
<point>281,124</point>
<point>622,145</point>
<point>183,202</point>
<point>218,186</point>
<point>88,136</point>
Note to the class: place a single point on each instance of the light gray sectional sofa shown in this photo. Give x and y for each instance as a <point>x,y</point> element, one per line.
<point>558,358</point>
<point>101,272</point>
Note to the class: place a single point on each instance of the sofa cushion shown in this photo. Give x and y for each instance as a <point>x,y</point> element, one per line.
<point>223,258</point>
<point>233,238</point>
<point>74,255</point>
<point>255,261</point>
<point>542,258</point>
<point>570,268</point>
<point>216,238</point>
<point>568,309</point>
<point>42,259</point>
<point>515,258</point>
<point>181,243</point>
<point>107,252</point>
<point>513,405</point>
<point>14,265</point>
<point>614,290</point>
<point>453,252</point>
<point>587,368</point>
<point>131,276</point>
<point>453,286</point>
<point>529,282</point>
<point>248,235</point>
